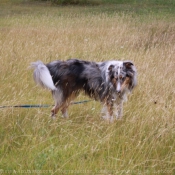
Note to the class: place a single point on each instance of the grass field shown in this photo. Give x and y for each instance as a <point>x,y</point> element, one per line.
<point>142,143</point>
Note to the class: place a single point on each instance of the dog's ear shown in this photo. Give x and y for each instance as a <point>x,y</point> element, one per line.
<point>110,67</point>
<point>128,64</point>
<point>129,67</point>
<point>131,72</point>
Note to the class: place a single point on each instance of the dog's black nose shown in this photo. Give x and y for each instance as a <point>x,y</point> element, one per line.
<point>118,92</point>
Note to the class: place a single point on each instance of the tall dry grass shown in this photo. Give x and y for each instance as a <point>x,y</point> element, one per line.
<point>142,143</point>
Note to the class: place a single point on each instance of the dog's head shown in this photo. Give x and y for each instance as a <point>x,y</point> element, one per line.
<point>122,75</point>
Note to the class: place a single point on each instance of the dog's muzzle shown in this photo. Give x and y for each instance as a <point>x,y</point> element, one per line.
<point>118,87</point>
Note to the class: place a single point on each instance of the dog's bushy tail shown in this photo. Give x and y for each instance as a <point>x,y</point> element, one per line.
<point>42,75</point>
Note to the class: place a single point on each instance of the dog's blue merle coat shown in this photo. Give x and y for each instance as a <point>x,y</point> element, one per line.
<point>108,82</point>
<point>75,75</point>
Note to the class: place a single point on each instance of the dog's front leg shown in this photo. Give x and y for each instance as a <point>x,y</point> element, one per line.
<point>107,111</point>
<point>118,109</point>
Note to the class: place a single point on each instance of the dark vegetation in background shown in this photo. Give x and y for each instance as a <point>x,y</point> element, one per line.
<point>98,2</point>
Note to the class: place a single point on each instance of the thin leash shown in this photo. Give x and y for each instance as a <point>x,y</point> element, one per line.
<point>41,106</point>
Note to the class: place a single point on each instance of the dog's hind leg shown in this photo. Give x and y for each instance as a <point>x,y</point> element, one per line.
<point>58,98</point>
<point>65,112</point>
<point>54,111</point>
<point>64,108</point>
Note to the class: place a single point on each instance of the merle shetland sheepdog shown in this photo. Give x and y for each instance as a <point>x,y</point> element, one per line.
<point>108,82</point>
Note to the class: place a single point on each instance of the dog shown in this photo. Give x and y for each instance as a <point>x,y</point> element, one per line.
<point>108,82</point>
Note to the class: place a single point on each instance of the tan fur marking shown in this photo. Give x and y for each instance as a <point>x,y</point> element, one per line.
<point>125,84</point>
<point>64,106</point>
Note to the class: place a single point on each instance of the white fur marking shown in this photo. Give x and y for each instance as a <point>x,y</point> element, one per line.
<point>45,77</point>
<point>118,86</point>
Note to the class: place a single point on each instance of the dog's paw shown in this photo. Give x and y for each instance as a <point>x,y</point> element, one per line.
<point>110,119</point>
<point>65,115</point>
<point>53,116</point>
<point>118,117</point>
<point>104,117</point>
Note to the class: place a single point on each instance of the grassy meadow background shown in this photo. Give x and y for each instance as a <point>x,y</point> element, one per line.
<point>143,142</point>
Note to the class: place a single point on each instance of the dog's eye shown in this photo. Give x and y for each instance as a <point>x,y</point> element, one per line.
<point>112,76</point>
